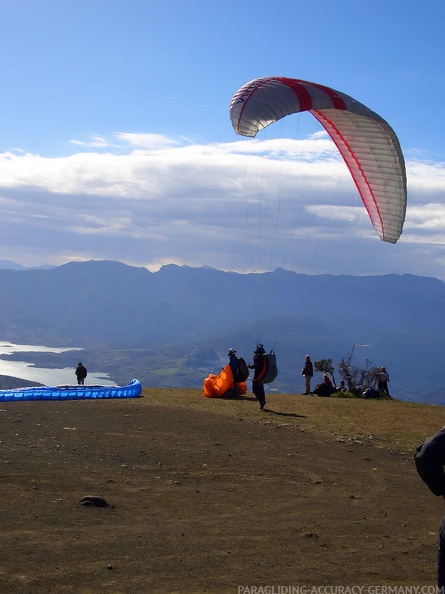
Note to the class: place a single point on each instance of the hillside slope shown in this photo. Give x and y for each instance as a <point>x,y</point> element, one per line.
<point>213,495</point>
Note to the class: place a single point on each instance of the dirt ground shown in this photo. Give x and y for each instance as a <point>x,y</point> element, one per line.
<point>213,496</point>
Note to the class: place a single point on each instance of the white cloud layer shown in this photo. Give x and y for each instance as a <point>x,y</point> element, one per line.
<point>148,200</point>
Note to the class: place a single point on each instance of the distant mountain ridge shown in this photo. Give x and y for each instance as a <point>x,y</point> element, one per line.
<point>9,265</point>
<point>193,315</point>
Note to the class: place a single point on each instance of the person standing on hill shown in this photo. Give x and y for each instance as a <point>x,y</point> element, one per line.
<point>81,373</point>
<point>308,372</point>
<point>233,362</point>
<point>258,388</point>
<point>383,379</point>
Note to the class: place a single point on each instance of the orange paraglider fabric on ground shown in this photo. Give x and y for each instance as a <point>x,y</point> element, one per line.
<point>209,392</point>
<point>217,386</point>
<point>241,388</point>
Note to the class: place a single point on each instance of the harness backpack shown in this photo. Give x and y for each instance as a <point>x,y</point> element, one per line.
<point>269,370</point>
<point>242,371</point>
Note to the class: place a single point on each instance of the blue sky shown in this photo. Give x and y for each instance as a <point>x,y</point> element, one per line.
<point>116,143</point>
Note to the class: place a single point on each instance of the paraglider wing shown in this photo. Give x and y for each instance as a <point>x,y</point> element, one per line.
<point>217,386</point>
<point>367,143</point>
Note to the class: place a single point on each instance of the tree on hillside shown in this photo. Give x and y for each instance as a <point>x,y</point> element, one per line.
<point>325,366</point>
<point>356,378</point>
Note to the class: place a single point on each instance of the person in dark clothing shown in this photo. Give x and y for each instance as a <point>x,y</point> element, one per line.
<point>342,387</point>
<point>430,460</point>
<point>383,379</point>
<point>325,388</point>
<point>81,374</point>
<point>234,366</point>
<point>233,361</point>
<point>308,372</point>
<point>258,388</point>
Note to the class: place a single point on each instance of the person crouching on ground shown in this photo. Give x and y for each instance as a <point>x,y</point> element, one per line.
<point>325,388</point>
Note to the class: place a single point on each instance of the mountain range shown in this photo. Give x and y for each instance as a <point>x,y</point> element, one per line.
<point>172,327</point>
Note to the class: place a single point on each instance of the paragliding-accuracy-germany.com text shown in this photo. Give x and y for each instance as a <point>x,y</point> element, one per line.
<point>276,589</point>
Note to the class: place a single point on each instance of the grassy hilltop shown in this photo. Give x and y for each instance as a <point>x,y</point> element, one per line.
<point>207,495</point>
<point>384,422</point>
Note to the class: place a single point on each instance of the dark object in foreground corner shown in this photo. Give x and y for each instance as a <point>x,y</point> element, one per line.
<point>94,500</point>
<point>430,459</point>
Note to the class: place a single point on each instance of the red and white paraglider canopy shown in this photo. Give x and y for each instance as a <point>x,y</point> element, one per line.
<point>367,143</point>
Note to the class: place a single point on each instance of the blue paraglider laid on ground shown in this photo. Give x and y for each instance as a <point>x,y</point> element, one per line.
<point>132,390</point>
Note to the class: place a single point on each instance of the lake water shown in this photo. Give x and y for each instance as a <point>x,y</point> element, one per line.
<point>42,375</point>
